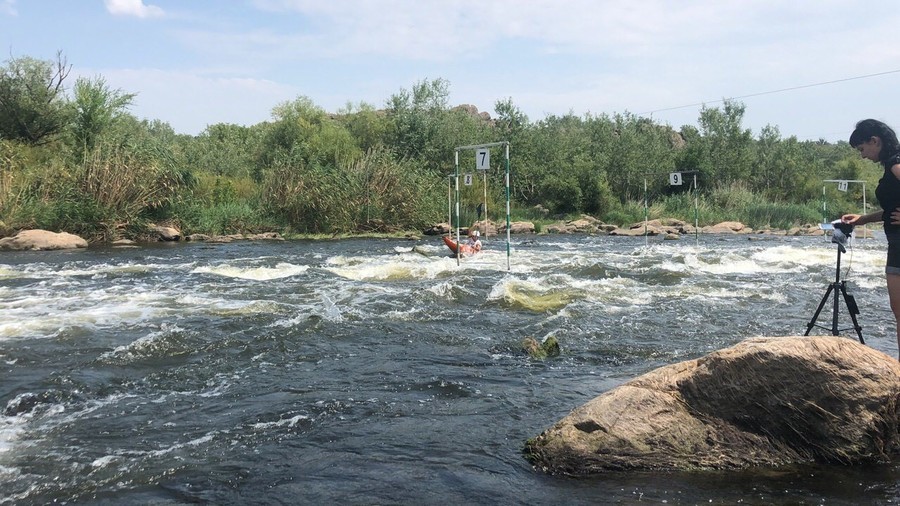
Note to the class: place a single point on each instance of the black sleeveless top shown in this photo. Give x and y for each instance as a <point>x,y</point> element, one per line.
<point>888,193</point>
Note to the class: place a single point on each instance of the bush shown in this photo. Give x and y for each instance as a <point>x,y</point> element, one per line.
<point>224,218</point>
<point>734,204</point>
<point>625,214</point>
<point>374,189</point>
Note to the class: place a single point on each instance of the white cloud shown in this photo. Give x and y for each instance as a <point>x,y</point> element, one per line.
<point>549,56</point>
<point>437,29</point>
<point>8,7</point>
<point>133,8</point>
<point>190,102</point>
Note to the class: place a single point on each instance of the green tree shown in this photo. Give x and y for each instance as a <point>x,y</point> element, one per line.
<point>415,117</point>
<point>729,147</point>
<point>304,135</point>
<point>766,146</point>
<point>96,110</point>
<point>632,150</point>
<point>225,149</point>
<point>511,122</point>
<point>784,172</point>
<point>366,124</point>
<point>33,107</point>
<point>558,145</point>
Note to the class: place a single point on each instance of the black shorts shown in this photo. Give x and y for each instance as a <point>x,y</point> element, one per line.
<point>893,253</point>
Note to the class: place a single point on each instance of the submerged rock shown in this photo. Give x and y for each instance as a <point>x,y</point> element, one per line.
<point>763,402</point>
<point>548,348</point>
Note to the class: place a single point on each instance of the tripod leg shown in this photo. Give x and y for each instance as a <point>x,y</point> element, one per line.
<point>853,309</point>
<point>815,317</point>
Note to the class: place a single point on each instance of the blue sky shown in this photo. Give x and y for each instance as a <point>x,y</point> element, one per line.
<point>198,62</point>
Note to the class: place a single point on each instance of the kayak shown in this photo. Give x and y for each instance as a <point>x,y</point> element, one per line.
<point>466,249</point>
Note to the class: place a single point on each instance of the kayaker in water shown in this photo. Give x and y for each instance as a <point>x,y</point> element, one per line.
<point>474,242</point>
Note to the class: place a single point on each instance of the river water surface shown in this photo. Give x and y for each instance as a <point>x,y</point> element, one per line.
<point>380,371</point>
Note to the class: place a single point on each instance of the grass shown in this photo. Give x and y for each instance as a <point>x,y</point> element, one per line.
<point>748,208</point>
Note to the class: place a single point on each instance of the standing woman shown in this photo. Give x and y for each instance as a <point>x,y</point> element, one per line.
<point>877,142</point>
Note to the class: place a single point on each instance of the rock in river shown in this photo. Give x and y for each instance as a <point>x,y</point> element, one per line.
<point>763,402</point>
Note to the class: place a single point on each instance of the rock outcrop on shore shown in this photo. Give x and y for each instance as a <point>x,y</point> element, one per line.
<point>266,236</point>
<point>486,227</point>
<point>764,402</point>
<point>669,228</point>
<point>46,240</point>
<point>42,240</point>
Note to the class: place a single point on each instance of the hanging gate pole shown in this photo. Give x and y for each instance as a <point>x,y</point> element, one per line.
<point>458,239</point>
<point>507,208</point>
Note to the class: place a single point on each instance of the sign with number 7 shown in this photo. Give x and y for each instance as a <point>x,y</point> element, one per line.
<point>482,159</point>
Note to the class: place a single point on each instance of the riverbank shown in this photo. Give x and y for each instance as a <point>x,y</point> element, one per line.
<point>668,228</point>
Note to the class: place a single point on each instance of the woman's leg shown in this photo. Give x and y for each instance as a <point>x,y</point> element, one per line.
<point>893,284</point>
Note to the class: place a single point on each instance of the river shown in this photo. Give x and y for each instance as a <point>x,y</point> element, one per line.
<point>368,371</point>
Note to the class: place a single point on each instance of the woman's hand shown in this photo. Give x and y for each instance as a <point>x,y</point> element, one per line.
<point>895,216</point>
<point>853,219</point>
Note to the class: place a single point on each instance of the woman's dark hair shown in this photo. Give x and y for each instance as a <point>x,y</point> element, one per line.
<point>868,128</point>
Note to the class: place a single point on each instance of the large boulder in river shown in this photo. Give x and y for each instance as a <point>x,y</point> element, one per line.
<point>42,240</point>
<point>763,402</point>
<point>727,227</point>
<point>518,227</point>
<point>164,233</point>
<point>437,229</point>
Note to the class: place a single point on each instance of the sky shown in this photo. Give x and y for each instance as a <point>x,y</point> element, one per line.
<point>811,68</point>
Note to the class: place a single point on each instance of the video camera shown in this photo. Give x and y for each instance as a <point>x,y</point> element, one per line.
<point>840,233</point>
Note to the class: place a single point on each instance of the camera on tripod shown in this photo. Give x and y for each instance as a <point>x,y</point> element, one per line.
<point>840,233</point>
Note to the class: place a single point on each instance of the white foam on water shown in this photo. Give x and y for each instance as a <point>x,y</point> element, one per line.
<point>299,316</point>
<point>392,268</point>
<point>216,389</point>
<point>143,346</point>
<point>11,427</point>
<point>193,443</point>
<point>330,311</point>
<point>284,422</point>
<point>48,314</point>
<point>413,266</point>
<point>412,314</point>
<point>40,270</point>
<point>105,461</point>
<point>226,307</point>
<point>281,270</point>
<point>43,419</point>
<point>554,292</point>
<point>727,295</point>
<point>730,263</point>
<point>443,290</point>
<point>101,269</point>
<point>791,257</point>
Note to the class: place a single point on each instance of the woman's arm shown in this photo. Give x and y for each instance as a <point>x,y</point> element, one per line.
<point>862,219</point>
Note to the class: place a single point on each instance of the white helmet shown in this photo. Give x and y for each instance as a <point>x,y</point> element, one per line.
<point>476,233</point>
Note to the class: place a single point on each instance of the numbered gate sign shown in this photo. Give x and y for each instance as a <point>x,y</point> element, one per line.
<point>842,186</point>
<point>482,159</point>
<point>675,179</point>
<point>467,179</point>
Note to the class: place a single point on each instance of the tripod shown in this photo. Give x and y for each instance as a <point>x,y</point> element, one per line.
<point>838,287</point>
